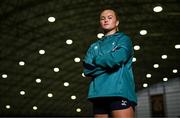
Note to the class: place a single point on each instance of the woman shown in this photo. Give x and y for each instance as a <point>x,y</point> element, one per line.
<point>109,62</point>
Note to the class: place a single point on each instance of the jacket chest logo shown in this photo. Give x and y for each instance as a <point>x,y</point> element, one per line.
<point>108,47</point>
<point>96,47</point>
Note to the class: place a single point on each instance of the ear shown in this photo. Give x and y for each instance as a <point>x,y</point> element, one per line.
<point>117,23</point>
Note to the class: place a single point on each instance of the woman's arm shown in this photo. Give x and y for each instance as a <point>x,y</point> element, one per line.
<point>116,57</point>
<point>90,69</point>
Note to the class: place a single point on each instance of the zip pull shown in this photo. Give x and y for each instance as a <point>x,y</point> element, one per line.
<point>115,48</point>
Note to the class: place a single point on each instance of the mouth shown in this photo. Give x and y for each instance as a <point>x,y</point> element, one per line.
<point>106,24</point>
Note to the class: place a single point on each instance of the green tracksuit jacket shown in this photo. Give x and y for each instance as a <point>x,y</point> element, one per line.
<point>109,62</point>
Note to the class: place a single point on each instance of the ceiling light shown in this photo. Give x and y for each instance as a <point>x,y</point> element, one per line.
<point>77,59</point>
<point>50,95</point>
<point>4,75</point>
<point>38,80</point>
<point>51,19</point>
<point>145,85</point>
<point>143,32</point>
<point>164,56</point>
<point>21,63</point>
<point>83,75</point>
<point>73,97</point>
<point>165,79</point>
<point>8,106</point>
<point>175,70</point>
<point>66,84</point>
<point>56,69</point>
<point>148,75</point>
<point>157,9</point>
<point>41,52</point>
<point>177,46</point>
<point>134,59</point>
<point>69,41</point>
<point>156,65</point>
<point>22,92</point>
<point>100,35</point>
<point>136,47</point>
<point>35,108</point>
<point>78,110</point>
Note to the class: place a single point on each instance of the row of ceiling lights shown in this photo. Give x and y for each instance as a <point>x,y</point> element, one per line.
<point>144,32</point>
<point>50,95</point>
<point>155,9</point>
<point>77,59</point>
<point>38,80</point>
<point>36,108</point>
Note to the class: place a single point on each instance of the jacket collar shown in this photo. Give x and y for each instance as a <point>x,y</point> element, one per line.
<point>112,35</point>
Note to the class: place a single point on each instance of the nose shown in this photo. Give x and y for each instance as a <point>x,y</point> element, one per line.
<point>105,20</point>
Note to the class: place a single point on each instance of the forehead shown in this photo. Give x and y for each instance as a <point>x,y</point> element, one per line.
<point>107,13</point>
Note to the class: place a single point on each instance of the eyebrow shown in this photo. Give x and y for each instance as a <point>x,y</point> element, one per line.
<point>107,16</point>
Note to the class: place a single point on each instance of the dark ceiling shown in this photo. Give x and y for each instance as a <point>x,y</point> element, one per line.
<point>25,29</point>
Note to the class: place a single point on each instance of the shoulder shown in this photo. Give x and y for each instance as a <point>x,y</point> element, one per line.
<point>122,37</point>
<point>94,45</point>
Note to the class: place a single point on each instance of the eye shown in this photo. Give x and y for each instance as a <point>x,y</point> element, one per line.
<point>110,17</point>
<point>102,18</point>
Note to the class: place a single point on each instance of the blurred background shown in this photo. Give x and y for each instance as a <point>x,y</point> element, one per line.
<point>43,43</point>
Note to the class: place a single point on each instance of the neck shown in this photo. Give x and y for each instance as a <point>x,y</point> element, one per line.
<point>110,32</point>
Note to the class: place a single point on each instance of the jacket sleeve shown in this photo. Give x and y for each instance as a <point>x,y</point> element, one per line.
<point>118,56</point>
<point>90,69</point>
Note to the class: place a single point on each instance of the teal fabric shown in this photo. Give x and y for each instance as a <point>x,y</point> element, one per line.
<point>109,62</point>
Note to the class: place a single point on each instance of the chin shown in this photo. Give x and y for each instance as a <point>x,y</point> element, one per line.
<point>107,29</point>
